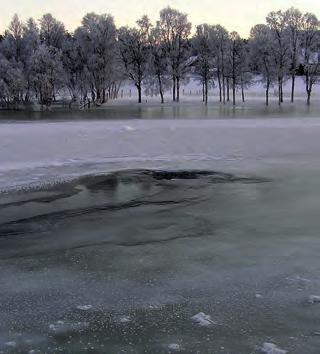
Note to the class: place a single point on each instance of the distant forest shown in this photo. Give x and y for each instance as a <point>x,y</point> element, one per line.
<point>40,61</point>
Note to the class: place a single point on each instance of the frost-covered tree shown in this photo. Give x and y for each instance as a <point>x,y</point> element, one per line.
<point>158,67</point>
<point>262,56</point>
<point>219,38</point>
<point>134,44</point>
<point>234,62</point>
<point>96,41</point>
<point>204,66</point>
<point>52,31</point>
<point>293,18</point>
<point>278,26</point>
<point>46,73</point>
<point>310,42</point>
<point>175,30</point>
<point>12,83</point>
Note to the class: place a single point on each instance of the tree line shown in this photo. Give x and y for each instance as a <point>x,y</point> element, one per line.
<point>41,61</point>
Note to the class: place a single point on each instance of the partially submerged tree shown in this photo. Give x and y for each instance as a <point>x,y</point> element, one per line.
<point>201,44</point>
<point>262,56</point>
<point>135,51</point>
<point>97,46</point>
<point>277,24</point>
<point>47,73</point>
<point>175,29</point>
<point>293,18</point>
<point>219,38</point>
<point>310,46</point>
<point>158,66</point>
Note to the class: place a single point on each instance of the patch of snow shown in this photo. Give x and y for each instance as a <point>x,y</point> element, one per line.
<point>175,347</point>
<point>124,319</point>
<point>259,296</point>
<point>314,299</point>
<point>128,128</point>
<point>201,319</point>
<point>84,307</point>
<point>270,348</point>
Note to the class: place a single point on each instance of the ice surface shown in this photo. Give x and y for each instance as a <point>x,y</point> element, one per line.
<point>159,250</point>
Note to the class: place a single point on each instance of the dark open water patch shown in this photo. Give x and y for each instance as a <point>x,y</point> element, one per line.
<point>116,191</point>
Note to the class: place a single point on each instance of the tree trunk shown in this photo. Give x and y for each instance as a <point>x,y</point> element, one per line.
<point>224,88</point>
<point>242,93</point>
<point>279,89</point>
<point>203,92</point>
<point>308,97</point>
<point>293,81</point>
<point>174,89</point>
<point>160,88</point>
<point>206,92</point>
<point>139,92</point>
<point>234,90</point>
<point>220,88</point>
<point>178,89</point>
<point>228,90</point>
<point>267,93</point>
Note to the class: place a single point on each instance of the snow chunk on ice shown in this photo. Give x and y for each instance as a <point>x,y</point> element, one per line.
<point>270,348</point>
<point>84,307</point>
<point>314,299</point>
<point>202,319</point>
<point>128,128</point>
<point>124,319</point>
<point>175,347</point>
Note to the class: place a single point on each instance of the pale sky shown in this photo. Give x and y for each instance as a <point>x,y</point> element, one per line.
<point>238,15</point>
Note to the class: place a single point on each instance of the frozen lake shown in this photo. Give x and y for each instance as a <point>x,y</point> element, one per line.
<point>160,236</point>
